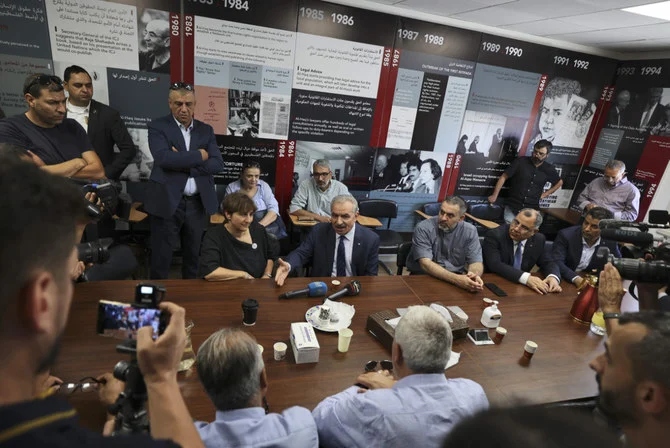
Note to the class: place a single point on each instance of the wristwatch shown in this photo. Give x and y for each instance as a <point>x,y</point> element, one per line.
<point>611,315</point>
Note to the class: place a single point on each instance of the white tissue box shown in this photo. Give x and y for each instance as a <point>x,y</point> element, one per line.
<point>304,343</point>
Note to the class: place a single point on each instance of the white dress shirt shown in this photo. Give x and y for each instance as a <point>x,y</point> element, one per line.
<point>191,188</point>
<point>587,254</point>
<point>348,251</point>
<point>78,113</point>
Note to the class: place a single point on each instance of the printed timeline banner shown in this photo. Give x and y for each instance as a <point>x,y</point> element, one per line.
<point>243,58</point>
<point>338,67</point>
<point>569,103</point>
<point>500,104</point>
<point>429,89</point>
<point>636,129</point>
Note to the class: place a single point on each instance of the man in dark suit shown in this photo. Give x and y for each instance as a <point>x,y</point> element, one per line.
<point>102,123</point>
<point>575,247</point>
<point>344,247</point>
<point>619,113</point>
<point>180,193</point>
<point>651,112</point>
<point>513,249</point>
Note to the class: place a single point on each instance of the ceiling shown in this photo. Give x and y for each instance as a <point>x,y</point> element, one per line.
<point>598,24</point>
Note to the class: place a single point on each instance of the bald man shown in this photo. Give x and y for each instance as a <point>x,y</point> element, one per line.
<point>619,114</point>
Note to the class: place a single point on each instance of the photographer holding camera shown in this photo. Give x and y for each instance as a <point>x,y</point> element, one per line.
<point>37,256</point>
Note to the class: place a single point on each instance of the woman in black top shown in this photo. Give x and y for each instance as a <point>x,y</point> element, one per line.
<point>238,248</point>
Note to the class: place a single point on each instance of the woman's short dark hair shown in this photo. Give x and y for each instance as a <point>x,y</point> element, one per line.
<point>435,169</point>
<point>238,202</point>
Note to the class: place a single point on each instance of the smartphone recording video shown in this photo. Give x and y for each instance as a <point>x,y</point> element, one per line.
<point>122,320</point>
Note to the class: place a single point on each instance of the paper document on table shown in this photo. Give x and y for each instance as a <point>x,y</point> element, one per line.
<point>343,310</point>
<point>401,311</point>
<point>393,322</point>
<point>453,360</point>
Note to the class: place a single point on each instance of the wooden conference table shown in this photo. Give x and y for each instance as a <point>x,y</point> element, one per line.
<point>559,371</point>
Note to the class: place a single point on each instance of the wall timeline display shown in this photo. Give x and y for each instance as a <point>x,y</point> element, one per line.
<point>636,128</point>
<point>339,55</point>
<point>432,70</point>
<point>500,105</point>
<point>243,68</point>
<point>407,110</point>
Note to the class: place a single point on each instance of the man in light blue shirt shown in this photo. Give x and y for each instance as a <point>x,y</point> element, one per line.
<point>419,408</point>
<point>313,197</point>
<point>231,369</point>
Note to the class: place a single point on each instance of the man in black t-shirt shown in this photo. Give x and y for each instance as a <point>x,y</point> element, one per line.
<point>57,144</point>
<point>37,236</point>
<point>527,176</point>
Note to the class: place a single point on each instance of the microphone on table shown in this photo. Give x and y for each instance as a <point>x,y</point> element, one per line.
<point>314,289</point>
<point>351,289</point>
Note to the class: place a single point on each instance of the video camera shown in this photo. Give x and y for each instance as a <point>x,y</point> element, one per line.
<point>95,251</point>
<point>114,202</point>
<point>656,267</point>
<point>129,408</point>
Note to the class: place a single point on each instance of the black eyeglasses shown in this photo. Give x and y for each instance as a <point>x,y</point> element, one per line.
<point>181,86</point>
<point>370,366</point>
<point>43,80</point>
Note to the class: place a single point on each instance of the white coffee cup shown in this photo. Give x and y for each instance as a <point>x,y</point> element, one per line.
<point>344,339</point>
<point>280,350</point>
<point>529,349</point>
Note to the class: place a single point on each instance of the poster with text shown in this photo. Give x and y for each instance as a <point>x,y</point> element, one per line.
<point>243,69</point>
<point>338,66</point>
<point>23,29</point>
<point>138,96</point>
<point>101,33</point>
<point>428,90</point>
<point>14,70</point>
<point>500,104</point>
<point>636,127</point>
<point>236,152</point>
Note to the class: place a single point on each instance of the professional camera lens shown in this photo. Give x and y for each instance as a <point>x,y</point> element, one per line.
<point>643,272</point>
<point>121,370</point>
<point>95,251</point>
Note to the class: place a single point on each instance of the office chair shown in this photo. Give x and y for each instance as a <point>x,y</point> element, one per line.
<point>403,252</point>
<point>389,240</point>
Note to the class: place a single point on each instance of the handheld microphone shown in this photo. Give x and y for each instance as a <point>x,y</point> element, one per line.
<point>350,289</point>
<point>628,236</point>
<point>314,289</point>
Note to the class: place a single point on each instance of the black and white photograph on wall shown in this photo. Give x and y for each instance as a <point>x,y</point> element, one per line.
<point>244,109</point>
<point>154,40</point>
<point>140,167</point>
<point>645,110</point>
<point>403,171</point>
<point>565,114</point>
<point>350,164</point>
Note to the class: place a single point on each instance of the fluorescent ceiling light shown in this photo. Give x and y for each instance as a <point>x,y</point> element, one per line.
<point>660,10</point>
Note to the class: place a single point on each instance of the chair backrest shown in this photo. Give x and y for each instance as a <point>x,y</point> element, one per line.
<point>490,212</point>
<point>379,208</point>
<point>432,208</point>
<point>403,252</point>
<point>220,192</point>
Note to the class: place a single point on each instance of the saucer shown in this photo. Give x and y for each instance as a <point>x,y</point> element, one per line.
<point>312,317</point>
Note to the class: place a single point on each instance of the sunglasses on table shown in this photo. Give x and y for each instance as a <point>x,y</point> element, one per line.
<point>370,366</point>
<point>181,86</point>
